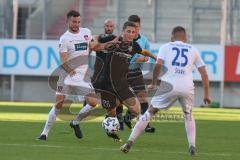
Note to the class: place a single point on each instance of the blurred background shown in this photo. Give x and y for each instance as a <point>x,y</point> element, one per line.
<point>30,29</point>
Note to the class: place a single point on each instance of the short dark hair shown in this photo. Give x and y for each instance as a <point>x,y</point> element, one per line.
<point>134,18</point>
<point>73,13</point>
<point>178,29</point>
<point>128,23</point>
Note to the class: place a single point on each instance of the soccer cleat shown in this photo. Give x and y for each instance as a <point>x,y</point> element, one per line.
<point>115,137</point>
<point>126,147</point>
<point>192,150</point>
<point>149,129</point>
<point>42,137</point>
<point>121,128</point>
<point>77,130</point>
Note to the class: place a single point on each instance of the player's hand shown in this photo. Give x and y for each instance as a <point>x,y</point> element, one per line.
<point>207,100</point>
<point>142,59</point>
<point>117,39</point>
<point>155,58</point>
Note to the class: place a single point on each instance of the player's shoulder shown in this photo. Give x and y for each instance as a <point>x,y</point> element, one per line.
<point>180,44</point>
<point>166,45</point>
<point>143,38</point>
<point>85,30</point>
<point>64,36</point>
<point>191,47</point>
<point>106,37</point>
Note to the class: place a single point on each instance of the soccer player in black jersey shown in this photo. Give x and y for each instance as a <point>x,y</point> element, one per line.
<point>112,83</point>
<point>135,77</point>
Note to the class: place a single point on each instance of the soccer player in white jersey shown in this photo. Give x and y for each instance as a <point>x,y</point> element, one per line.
<point>74,45</point>
<point>179,58</point>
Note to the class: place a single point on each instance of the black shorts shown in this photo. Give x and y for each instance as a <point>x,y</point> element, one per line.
<point>110,97</point>
<point>135,80</point>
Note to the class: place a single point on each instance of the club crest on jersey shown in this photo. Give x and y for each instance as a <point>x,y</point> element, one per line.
<point>86,37</point>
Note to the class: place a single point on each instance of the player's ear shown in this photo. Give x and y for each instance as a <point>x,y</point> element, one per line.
<point>185,38</point>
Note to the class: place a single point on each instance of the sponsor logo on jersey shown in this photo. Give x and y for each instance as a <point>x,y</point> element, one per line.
<point>81,46</point>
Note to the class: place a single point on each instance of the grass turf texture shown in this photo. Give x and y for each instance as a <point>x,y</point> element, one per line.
<point>217,136</point>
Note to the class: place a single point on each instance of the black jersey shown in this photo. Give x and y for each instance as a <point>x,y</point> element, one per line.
<point>120,63</point>
<point>100,62</point>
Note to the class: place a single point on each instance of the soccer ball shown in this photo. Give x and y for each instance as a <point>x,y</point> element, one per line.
<point>111,125</point>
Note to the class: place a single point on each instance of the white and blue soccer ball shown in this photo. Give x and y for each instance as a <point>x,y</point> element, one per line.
<point>111,124</point>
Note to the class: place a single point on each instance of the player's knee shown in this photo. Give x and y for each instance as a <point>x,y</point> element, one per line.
<point>188,116</point>
<point>91,100</point>
<point>59,101</point>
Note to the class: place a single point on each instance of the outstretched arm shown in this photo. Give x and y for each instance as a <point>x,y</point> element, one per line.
<point>149,54</point>
<point>97,46</point>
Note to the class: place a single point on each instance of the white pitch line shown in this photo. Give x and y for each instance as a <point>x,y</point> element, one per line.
<point>109,149</point>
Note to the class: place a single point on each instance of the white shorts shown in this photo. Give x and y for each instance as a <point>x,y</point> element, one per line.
<point>74,85</point>
<point>166,100</point>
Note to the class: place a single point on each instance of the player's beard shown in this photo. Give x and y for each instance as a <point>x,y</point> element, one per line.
<point>74,29</point>
<point>107,31</point>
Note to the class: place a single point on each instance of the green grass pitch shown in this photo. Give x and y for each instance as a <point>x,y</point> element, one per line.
<point>218,136</point>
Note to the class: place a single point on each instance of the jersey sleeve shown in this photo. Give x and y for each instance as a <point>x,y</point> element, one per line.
<point>198,60</point>
<point>62,45</point>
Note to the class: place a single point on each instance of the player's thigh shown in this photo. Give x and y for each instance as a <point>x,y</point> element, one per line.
<point>108,99</point>
<point>136,82</point>
<point>164,101</point>
<point>187,102</point>
<point>139,89</point>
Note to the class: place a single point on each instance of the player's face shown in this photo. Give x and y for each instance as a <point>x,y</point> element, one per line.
<point>137,28</point>
<point>129,33</point>
<point>109,27</point>
<point>74,24</point>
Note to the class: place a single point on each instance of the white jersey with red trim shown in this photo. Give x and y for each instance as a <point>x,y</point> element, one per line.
<point>75,44</point>
<point>77,48</point>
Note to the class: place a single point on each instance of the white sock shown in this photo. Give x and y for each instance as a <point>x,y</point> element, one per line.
<point>51,119</point>
<point>140,126</point>
<point>84,112</point>
<point>190,127</point>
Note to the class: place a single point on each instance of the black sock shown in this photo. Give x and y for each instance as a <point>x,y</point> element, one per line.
<point>128,116</point>
<point>144,107</point>
<point>119,111</point>
<point>84,103</point>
